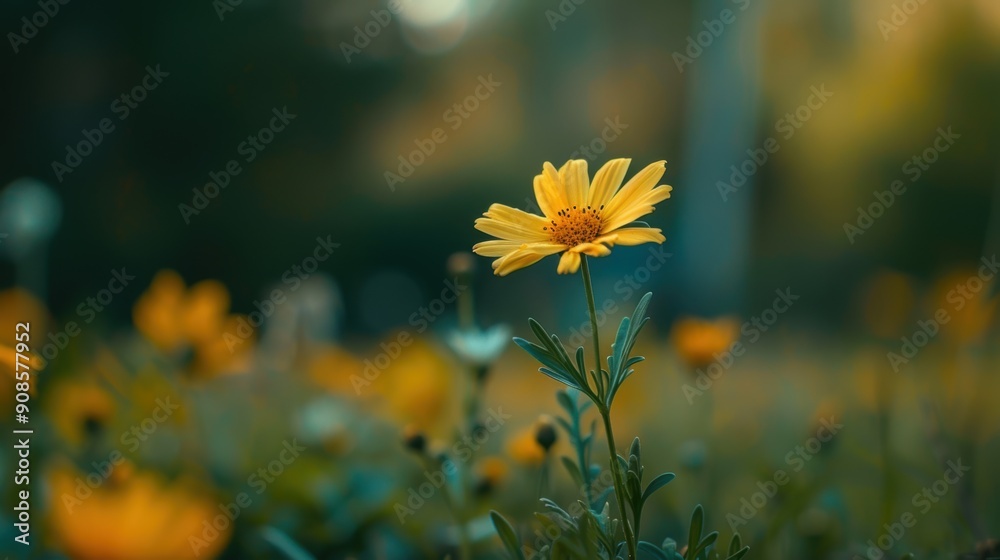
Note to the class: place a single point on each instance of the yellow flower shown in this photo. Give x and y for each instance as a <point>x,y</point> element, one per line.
<point>174,317</point>
<point>699,341</point>
<point>79,409</point>
<point>134,516</point>
<point>580,217</point>
<point>525,449</point>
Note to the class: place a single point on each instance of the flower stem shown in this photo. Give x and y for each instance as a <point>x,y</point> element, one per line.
<point>464,541</point>
<point>589,287</point>
<point>606,416</point>
<point>619,482</point>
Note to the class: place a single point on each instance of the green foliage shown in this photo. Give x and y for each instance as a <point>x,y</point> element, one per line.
<point>587,531</point>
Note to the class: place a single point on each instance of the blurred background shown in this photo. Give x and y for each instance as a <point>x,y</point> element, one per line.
<point>254,208</point>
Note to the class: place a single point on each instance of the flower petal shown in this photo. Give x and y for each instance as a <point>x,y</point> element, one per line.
<point>632,236</point>
<point>592,249</point>
<point>515,256</point>
<point>638,185</point>
<point>515,261</point>
<point>569,263</point>
<point>576,181</point>
<point>607,180</point>
<point>509,230</point>
<point>550,196</point>
<point>639,207</point>
<point>509,214</point>
<point>552,182</point>
<point>496,247</point>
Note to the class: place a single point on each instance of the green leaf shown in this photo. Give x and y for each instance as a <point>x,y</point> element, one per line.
<point>739,554</point>
<point>507,535</point>
<point>735,544</point>
<point>542,355</point>
<point>555,507</point>
<point>908,556</point>
<point>694,534</point>
<point>705,543</point>
<point>653,550</point>
<point>635,451</point>
<point>566,401</point>
<point>657,483</point>
<point>560,377</point>
<point>574,471</point>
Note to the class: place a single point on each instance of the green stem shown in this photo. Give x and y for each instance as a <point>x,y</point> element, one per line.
<point>589,287</point>
<point>619,482</point>
<point>464,542</point>
<point>606,416</point>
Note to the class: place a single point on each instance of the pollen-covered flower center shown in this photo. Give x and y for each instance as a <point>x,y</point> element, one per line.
<point>573,226</point>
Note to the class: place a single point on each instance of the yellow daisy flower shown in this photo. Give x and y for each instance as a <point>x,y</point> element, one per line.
<point>580,217</point>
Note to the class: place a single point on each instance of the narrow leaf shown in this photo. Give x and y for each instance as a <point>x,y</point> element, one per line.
<point>507,535</point>
<point>694,535</point>
<point>653,550</point>
<point>657,483</point>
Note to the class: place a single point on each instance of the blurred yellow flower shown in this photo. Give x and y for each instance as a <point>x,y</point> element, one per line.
<point>580,217</point>
<point>418,386</point>
<point>965,297</point>
<point>525,449</point>
<point>491,472</point>
<point>173,317</point>
<point>135,516</point>
<point>79,409</point>
<point>698,341</point>
<point>332,368</point>
<point>18,306</point>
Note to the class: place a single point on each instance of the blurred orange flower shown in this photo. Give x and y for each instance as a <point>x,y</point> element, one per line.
<point>417,384</point>
<point>135,516</point>
<point>173,317</point>
<point>699,340</point>
<point>525,449</point>
<point>965,297</point>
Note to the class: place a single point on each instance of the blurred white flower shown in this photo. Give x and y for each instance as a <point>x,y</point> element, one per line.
<point>478,347</point>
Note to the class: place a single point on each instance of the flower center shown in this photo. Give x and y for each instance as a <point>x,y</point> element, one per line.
<point>573,226</point>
